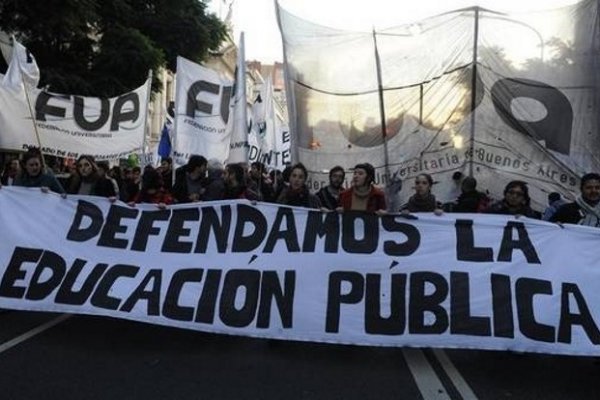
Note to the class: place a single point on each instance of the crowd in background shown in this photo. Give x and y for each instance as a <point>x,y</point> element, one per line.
<point>209,180</point>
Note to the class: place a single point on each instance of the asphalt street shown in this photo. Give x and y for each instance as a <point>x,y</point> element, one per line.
<point>59,356</point>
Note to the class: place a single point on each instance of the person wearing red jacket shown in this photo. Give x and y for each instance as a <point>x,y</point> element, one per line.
<point>363,195</point>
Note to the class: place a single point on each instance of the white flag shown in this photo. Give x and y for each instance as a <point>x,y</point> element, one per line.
<point>202,108</point>
<point>269,138</point>
<point>22,68</point>
<point>239,125</point>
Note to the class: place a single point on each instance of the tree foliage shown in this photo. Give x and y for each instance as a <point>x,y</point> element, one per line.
<point>106,47</point>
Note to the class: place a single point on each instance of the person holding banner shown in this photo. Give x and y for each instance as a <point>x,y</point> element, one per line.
<point>215,186</point>
<point>32,174</point>
<point>297,193</point>
<point>87,181</point>
<point>585,210</point>
<point>423,200</point>
<point>515,202</point>
<point>104,172</point>
<point>190,180</point>
<point>330,194</point>
<point>363,195</point>
<point>470,200</point>
<point>166,172</point>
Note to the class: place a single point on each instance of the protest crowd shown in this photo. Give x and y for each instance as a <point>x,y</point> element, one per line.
<point>204,180</point>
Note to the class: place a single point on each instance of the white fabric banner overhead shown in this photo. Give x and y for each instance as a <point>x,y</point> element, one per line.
<point>459,281</point>
<point>533,90</point>
<point>71,125</point>
<point>202,112</point>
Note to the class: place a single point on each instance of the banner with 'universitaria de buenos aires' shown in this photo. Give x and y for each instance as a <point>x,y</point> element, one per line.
<point>499,96</point>
<point>455,281</point>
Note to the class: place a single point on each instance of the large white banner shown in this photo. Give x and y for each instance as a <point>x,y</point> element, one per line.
<point>70,125</point>
<point>499,96</point>
<point>457,281</point>
<point>202,108</point>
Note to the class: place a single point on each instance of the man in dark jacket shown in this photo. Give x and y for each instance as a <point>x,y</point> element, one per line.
<point>190,181</point>
<point>585,210</point>
<point>330,194</point>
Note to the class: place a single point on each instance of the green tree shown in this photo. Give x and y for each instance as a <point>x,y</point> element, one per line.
<point>106,47</point>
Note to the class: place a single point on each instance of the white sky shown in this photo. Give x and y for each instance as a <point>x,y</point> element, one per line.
<point>263,40</point>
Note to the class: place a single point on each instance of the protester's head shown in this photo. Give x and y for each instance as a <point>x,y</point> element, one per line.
<point>116,173</point>
<point>234,175</point>
<point>165,164</point>
<point>554,196</point>
<point>457,176</point>
<point>516,194</point>
<point>468,185</point>
<point>285,174</point>
<point>86,166</point>
<point>363,175</point>
<point>151,180</point>
<point>32,162</point>
<point>257,169</point>
<point>298,176</point>
<point>136,173</point>
<point>196,166</point>
<point>103,168</point>
<point>336,176</point>
<point>12,168</point>
<point>423,184</point>
<point>214,168</point>
<point>590,188</point>
<point>15,165</point>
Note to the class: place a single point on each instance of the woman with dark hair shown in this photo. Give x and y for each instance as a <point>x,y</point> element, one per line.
<point>32,174</point>
<point>363,195</point>
<point>11,170</point>
<point>297,193</point>
<point>423,200</point>
<point>86,179</point>
<point>515,202</point>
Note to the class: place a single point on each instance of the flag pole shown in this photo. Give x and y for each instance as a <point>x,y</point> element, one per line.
<point>243,94</point>
<point>148,95</point>
<point>174,131</point>
<point>474,90</point>
<point>381,106</point>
